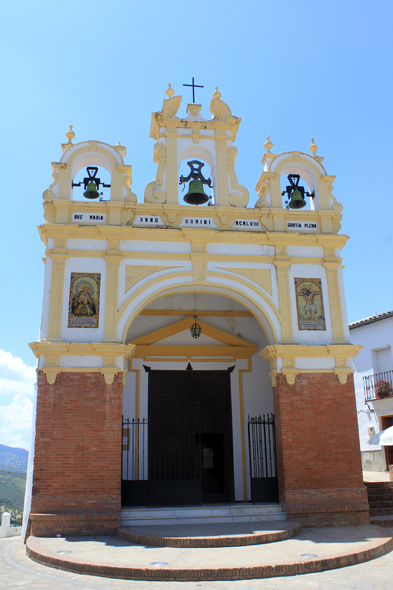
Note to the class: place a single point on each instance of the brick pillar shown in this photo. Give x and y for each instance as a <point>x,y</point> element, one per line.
<point>318,454</point>
<point>77,464</point>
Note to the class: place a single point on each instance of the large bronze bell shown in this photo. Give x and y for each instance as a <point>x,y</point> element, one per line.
<point>297,201</point>
<point>91,192</point>
<point>196,195</point>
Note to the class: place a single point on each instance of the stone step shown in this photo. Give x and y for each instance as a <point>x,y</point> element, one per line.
<point>210,535</point>
<point>380,497</point>
<point>313,550</point>
<point>380,511</point>
<point>230,513</point>
<point>382,520</point>
<point>379,484</point>
<point>381,504</point>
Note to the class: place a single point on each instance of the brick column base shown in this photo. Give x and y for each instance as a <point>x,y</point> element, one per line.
<point>77,463</point>
<point>50,525</point>
<point>318,453</point>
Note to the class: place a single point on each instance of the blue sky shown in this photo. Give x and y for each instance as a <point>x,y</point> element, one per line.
<point>294,71</point>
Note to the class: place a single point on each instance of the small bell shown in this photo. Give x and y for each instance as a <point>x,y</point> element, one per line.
<point>196,195</point>
<point>297,201</point>
<point>91,192</point>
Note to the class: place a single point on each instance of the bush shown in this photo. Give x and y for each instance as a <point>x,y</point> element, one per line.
<point>383,389</point>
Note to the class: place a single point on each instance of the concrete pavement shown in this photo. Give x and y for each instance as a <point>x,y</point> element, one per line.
<point>18,571</point>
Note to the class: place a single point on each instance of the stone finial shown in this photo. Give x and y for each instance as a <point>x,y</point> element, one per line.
<point>268,144</point>
<point>170,92</point>
<point>70,135</point>
<point>313,148</point>
<point>216,93</point>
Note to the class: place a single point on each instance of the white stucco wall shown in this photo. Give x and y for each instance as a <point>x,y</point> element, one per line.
<point>371,336</point>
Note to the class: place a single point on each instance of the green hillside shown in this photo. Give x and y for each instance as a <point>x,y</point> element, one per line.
<point>13,459</point>
<point>12,490</point>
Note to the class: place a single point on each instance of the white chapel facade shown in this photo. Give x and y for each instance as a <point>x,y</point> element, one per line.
<point>172,334</point>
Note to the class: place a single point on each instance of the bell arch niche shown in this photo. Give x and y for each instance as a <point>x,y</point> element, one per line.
<point>312,176</point>
<point>72,168</point>
<point>195,137</point>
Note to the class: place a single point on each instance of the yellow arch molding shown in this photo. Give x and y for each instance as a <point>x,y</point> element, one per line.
<point>230,292</point>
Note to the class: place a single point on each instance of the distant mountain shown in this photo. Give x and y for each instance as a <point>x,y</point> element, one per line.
<point>13,459</point>
<point>12,489</point>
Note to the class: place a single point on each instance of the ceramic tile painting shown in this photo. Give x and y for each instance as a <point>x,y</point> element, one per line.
<point>309,304</point>
<point>84,302</point>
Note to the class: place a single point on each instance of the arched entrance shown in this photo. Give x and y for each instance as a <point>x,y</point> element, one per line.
<point>186,401</point>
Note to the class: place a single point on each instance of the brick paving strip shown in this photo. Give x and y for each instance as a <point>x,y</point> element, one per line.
<point>210,535</point>
<point>313,550</point>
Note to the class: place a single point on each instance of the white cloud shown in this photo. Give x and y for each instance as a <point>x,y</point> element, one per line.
<point>12,367</point>
<point>16,394</point>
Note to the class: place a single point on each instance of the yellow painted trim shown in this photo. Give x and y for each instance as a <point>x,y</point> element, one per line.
<point>149,284</point>
<point>135,273</point>
<point>82,348</point>
<point>137,412</point>
<point>192,359</point>
<point>59,257</point>
<point>182,257</point>
<point>109,373</point>
<point>151,350</point>
<point>331,265</point>
<point>259,276</point>
<point>185,324</point>
<point>201,313</point>
<point>289,353</point>
<point>291,374</point>
<point>112,290</point>
<point>282,265</point>
<point>216,235</point>
<point>242,432</point>
<point>254,287</point>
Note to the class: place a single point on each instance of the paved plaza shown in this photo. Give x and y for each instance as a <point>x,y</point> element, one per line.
<point>18,571</point>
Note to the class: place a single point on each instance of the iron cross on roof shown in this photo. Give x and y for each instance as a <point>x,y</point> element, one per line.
<point>193,85</point>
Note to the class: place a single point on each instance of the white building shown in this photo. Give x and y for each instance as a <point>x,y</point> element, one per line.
<point>373,376</point>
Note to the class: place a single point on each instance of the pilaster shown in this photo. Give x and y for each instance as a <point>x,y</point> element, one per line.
<point>331,265</point>
<point>113,259</point>
<point>221,192</point>
<point>59,257</point>
<point>172,175</point>
<point>282,264</point>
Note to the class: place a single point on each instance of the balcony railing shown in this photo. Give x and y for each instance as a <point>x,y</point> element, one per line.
<point>378,385</point>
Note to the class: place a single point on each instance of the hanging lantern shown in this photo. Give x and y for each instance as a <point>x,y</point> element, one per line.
<point>195,329</point>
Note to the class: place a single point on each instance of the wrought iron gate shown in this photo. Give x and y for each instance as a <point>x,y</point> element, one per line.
<point>134,483</point>
<point>263,459</point>
<point>183,453</point>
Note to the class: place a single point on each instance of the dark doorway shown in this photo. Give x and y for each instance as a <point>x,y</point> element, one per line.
<point>190,437</point>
